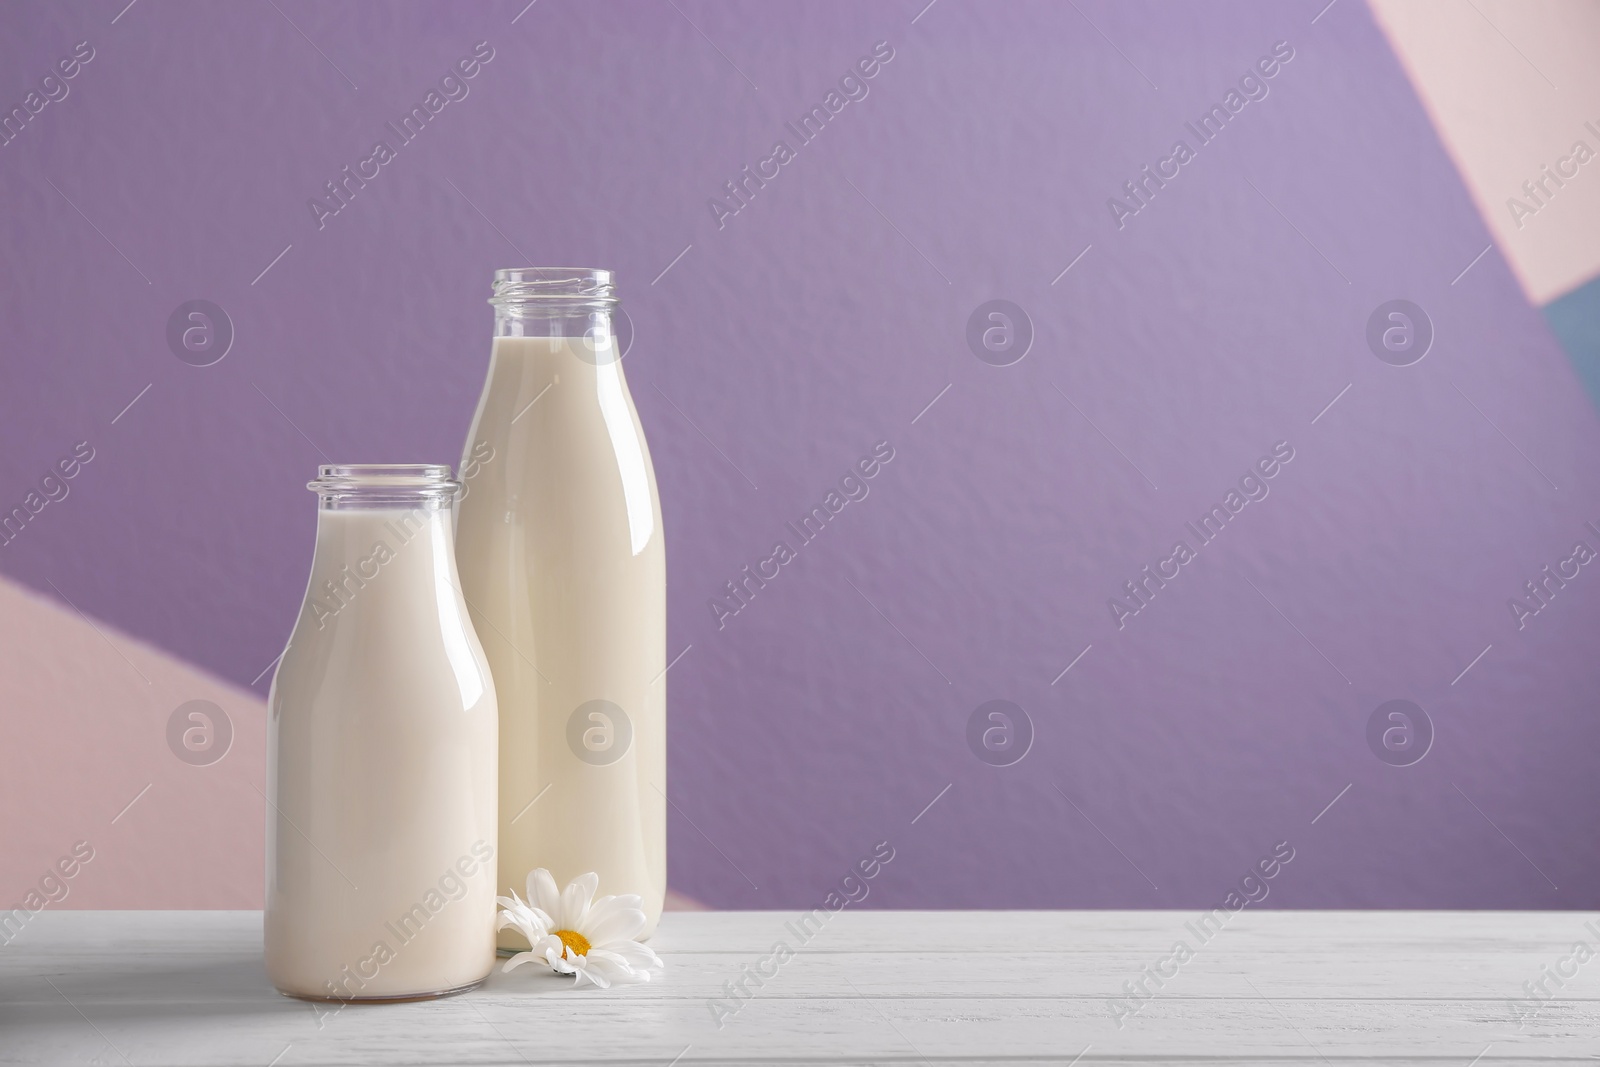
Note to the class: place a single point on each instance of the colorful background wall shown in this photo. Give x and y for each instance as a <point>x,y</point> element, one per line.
<point>1177,324</point>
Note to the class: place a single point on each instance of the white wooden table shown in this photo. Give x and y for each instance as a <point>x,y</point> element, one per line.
<point>873,987</point>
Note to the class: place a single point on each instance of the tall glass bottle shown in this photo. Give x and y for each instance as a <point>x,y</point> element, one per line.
<point>381,760</point>
<point>560,548</point>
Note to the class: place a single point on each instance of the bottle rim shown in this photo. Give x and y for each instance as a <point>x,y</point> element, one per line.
<point>380,484</point>
<point>553,289</point>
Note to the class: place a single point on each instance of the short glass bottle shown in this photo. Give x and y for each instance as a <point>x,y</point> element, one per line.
<point>382,755</point>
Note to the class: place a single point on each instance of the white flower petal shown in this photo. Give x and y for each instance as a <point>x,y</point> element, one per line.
<point>593,975</point>
<point>602,975</point>
<point>614,967</point>
<point>609,902</point>
<point>637,956</point>
<point>522,915</point>
<point>518,960</point>
<point>604,925</point>
<point>543,894</point>
<point>575,900</point>
<point>530,922</point>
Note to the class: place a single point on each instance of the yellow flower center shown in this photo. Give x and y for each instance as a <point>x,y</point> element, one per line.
<point>573,944</point>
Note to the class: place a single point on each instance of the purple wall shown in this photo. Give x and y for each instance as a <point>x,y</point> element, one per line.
<point>820,319</point>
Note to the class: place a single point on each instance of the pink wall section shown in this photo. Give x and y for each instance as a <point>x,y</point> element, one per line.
<point>87,708</point>
<point>1511,87</point>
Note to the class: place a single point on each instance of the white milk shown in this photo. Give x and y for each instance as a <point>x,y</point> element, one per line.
<point>381,762</point>
<point>560,547</point>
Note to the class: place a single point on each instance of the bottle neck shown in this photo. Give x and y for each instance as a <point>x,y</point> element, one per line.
<point>518,321</point>
<point>574,303</point>
<point>383,486</point>
<point>523,297</point>
<point>377,519</point>
<point>590,337</point>
<point>392,567</point>
<point>366,540</point>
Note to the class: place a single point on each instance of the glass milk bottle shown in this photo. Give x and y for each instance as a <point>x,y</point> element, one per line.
<point>381,755</point>
<point>559,541</point>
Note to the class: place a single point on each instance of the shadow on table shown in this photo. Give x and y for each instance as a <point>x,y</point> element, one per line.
<point>111,989</point>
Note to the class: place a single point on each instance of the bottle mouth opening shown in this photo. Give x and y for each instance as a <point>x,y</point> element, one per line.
<point>384,484</point>
<point>552,290</point>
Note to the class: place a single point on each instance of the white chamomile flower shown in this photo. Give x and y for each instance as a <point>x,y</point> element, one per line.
<point>578,935</point>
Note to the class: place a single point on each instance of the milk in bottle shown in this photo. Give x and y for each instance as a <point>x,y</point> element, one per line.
<point>381,761</point>
<point>559,543</point>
